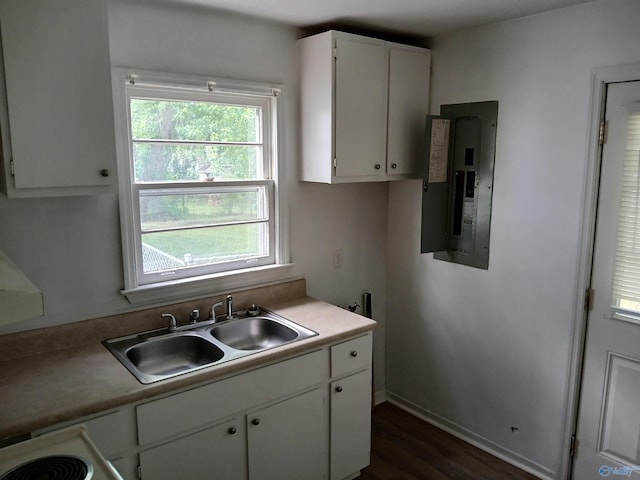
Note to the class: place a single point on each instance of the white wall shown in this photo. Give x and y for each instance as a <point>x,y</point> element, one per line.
<point>482,351</point>
<point>70,247</point>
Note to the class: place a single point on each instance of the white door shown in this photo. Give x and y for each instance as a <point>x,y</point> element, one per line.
<point>608,433</point>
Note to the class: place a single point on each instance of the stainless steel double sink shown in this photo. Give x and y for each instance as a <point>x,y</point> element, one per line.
<point>159,354</point>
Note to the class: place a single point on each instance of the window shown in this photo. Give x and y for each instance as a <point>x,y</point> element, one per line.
<point>626,287</point>
<point>197,179</point>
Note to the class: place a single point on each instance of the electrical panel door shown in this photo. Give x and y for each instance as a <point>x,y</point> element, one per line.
<point>458,183</point>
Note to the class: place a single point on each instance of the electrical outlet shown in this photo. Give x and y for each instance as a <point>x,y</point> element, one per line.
<point>337,258</point>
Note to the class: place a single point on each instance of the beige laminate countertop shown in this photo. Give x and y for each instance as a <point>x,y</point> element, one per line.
<point>42,390</point>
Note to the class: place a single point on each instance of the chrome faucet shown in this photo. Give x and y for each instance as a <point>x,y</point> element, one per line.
<point>229,307</point>
<point>172,321</point>
<point>212,311</point>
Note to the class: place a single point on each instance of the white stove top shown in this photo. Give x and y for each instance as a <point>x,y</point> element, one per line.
<point>72,441</point>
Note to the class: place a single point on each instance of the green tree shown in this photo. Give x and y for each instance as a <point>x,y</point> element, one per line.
<point>195,121</point>
<point>191,121</point>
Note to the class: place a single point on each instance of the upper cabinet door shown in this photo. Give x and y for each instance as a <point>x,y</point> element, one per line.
<point>360,107</point>
<point>409,70</point>
<point>59,131</point>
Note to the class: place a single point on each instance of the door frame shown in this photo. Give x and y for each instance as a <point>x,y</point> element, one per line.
<point>600,78</point>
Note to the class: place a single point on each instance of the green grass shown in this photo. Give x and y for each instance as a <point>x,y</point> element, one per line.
<point>207,242</point>
<point>175,211</point>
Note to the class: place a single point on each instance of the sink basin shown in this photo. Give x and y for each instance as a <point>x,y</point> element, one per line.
<point>161,354</point>
<point>173,354</point>
<point>255,333</point>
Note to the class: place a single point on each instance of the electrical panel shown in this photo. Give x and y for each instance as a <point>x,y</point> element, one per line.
<point>458,183</point>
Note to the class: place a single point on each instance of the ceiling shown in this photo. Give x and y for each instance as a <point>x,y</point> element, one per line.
<point>422,18</point>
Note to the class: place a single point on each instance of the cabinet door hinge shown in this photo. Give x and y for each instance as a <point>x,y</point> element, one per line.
<point>335,162</point>
<point>602,135</point>
<point>12,167</point>
<point>139,472</point>
<point>335,52</point>
<point>572,446</point>
<point>588,299</point>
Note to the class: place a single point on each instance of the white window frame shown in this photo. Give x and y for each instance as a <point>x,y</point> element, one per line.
<point>140,288</point>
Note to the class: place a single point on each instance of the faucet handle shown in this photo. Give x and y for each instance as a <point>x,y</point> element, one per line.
<point>229,307</point>
<point>194,316</point>
<point>212,312</point>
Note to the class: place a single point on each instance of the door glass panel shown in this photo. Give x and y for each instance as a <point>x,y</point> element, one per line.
<point>626,280</point>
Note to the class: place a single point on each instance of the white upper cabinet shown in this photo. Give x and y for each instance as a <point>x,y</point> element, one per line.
<point>57,117</point>
<point>363,107</point>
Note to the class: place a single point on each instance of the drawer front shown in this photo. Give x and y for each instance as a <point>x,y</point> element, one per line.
<point>198,407</point>
<point>351,355</point>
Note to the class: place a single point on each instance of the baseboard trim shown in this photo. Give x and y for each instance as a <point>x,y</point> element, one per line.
<point>466,435</point>
<point>379,397</point>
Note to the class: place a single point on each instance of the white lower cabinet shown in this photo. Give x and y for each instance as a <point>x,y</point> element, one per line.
<point>217,453</point>
<point>350,406</point>
<point>350,424</point>
<point>277,422</point>
<point>266,424</point>
<point>287,441</point>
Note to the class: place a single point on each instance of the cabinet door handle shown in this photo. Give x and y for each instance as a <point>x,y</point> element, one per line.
<point>232,430</point>
<point>105,172</point>
<point>354,353</point>
<point>394,165</point>
<point>256,421</point>
<point>377,166</point>
<point>338,389</point>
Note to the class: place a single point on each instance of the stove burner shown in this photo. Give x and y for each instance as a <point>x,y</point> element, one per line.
<point>57,467</point>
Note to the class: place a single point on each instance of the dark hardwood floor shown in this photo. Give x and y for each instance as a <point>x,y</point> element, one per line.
<point>407,448</point>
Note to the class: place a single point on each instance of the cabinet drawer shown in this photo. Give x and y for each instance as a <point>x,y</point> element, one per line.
<point>351,355</point>
<point>203,405</point>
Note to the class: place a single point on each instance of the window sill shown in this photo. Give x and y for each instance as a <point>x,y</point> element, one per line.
<point>206,285</point>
